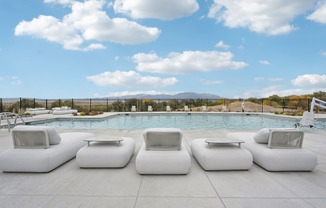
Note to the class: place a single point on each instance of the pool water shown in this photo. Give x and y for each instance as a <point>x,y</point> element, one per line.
<point>179,120</point>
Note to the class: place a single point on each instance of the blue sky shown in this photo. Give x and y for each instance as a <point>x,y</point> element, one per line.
<point>99,48</point>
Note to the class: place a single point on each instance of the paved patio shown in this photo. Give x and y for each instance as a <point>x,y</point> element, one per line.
<point>70,186</point>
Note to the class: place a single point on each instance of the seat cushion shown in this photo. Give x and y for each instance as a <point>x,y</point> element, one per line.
<point>106,155</point>
<point>221,157</point>
<point>163,162</point>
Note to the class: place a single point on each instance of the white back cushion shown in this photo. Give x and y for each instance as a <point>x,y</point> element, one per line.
<point>54,137</point>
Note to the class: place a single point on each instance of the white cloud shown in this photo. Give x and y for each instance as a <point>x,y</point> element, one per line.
<point>130,79</point>
<point>323,53</point>
<point>221,44</point>
<point>319,15</point>
<point>212,82</point>
<point>272,17</point>
<point>310,80</point>
<point>156,9</point>
<point>63,2</point>
<point>15,80</point>
<point>257,79</point>
<point>186,62</point>
<point>274,90</point>
<point>86,22</point>
<point>271,79</point>
<point>264,62</point>
<point>125,93</point>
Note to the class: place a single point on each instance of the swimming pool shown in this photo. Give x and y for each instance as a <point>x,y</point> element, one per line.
<point>178,120</point>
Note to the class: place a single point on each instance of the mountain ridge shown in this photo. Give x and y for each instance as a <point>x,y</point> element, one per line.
<point>183,95</point>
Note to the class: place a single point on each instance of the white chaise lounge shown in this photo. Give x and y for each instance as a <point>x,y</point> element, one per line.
<point>40,149</point>
<point>163,152</point>
<point>279,149</point>
<point>63,110</point>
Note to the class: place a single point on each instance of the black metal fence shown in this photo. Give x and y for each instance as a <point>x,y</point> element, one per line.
<point>19,105</point>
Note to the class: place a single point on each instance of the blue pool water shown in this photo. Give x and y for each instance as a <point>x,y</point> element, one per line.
<point>179,120</point>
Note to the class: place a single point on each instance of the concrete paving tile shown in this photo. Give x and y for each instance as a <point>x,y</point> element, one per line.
<point>303,184</point>
<point>321,154</point>
<point>195,184</point>
<point>154,202</point>
<point>105,182</point>
<point>317,203</point>
<point>264,202</point>
<point>91,201</point>
<point>252,183</point>
<point>11,201</point>
<point>39,183</point>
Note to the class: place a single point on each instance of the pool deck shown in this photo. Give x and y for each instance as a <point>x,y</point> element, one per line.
<point>70,186</point>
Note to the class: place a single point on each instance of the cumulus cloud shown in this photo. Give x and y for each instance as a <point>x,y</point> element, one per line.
<point>130,79</point>
<point>15,80</point>
<point>272,17</point>
<point>126,93</point>
<point>221,44</point>
<point>264,62</point>
<point>212,82</point>
<point>86,22</point>
<point>186,62</point>
<point>319,15</point>
<point>310,80</point>
<point>271,79</point>
<point>158,9</point>
<point>63,2</point>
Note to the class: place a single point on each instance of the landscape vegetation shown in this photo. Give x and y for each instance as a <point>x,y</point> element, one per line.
<point>290,105</point>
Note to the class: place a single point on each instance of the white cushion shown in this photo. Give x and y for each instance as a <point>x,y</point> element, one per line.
<point>163,162</point>
<point>106,155</point>
<point>262,136</point>
<point>221,157</point>
<point>54,137</point>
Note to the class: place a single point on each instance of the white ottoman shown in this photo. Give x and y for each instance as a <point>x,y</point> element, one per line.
<point>106,155</point>
<point>221,157</point>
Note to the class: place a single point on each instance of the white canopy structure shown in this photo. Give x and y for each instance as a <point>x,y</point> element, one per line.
<point>308,118</point>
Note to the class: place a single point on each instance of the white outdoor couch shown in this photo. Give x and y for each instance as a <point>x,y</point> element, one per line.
<point>37,111</point>
<point>40,149</point>
<point>63,110</point>
<point>163,152</point>
<point>278,149</point>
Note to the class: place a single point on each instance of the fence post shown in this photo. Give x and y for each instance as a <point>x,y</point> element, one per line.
<point>283,104</point>
<point>262,105</point>
<point>107,104</point>
<point>1,108</point>
<point>72,103</point>
<point>90,104</point>
<point>309,102</point>
<point>20,103</point>
<point>59,102</point>
<point>46,103</point>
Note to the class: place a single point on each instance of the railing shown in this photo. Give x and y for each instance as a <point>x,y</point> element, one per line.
<point>19,105</point>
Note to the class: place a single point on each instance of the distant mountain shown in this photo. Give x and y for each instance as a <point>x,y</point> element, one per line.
<point>183,95</point>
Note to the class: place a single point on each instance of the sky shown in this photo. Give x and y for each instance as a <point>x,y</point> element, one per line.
<point>98,48</point>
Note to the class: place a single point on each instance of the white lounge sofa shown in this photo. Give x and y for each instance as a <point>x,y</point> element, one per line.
<point>40,149</point>
<point>63,110</point>
<point>279,149</point>
<point>37,111</point>
<point>163,152</point>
